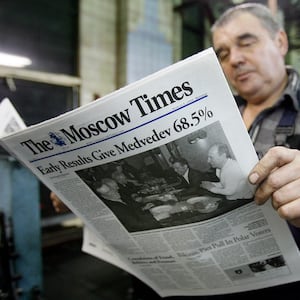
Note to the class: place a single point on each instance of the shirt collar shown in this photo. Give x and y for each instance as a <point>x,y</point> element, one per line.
<point>292,87</point>
<point>186,175</point>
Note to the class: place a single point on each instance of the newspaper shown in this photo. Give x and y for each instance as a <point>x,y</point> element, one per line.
<point>178,241</point>
<point>10,119</point>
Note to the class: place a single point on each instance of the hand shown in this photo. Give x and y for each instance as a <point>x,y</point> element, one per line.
<point>278,177</point>
<point>207,185</point>
<point>58,205</point>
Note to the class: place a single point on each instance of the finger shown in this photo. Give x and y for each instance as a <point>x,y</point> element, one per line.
<point>52,195</point>
<point>282,184</point>
<point>274,158</point>
<point>58,205</point>
<point>286,194</point>
<point>290,211</point>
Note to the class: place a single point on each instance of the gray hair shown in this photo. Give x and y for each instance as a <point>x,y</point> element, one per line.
<point>260,11</point>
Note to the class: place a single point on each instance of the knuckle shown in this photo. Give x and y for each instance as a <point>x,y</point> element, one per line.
<point>275,152</point>
<point>284,213</point>
<point>277,199</point>
<point>274,181</point>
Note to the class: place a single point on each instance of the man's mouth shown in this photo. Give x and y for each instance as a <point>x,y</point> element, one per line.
<point>242,76</point>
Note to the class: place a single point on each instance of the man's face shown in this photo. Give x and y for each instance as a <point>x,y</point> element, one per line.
<point>112,184</point>
<point>214,159</point>
<point>180,168</point>
<point>121,178</point>
<point>108,192</point>
<point>252,60</point>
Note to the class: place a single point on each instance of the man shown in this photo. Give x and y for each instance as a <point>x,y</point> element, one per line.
<point>190,178</point>
<point>251,47</point>
<point>132,218</point>
<point>126,188</point>
<point>233,183</point>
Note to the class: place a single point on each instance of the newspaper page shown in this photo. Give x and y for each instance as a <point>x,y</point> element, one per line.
<point>117,164</point>
<point>10,118</point>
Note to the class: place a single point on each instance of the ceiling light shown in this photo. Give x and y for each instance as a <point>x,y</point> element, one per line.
<point>10,60</point>
<point>237,1</point>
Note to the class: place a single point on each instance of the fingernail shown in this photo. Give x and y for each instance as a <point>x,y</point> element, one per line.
<point>253,178</point>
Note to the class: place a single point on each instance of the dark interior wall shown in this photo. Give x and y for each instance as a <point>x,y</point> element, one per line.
<point>46,32</point>
<point>43,30</point>
<point>195,13</point>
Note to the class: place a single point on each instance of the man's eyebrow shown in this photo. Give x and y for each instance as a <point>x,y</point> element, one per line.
<point>246,35</point>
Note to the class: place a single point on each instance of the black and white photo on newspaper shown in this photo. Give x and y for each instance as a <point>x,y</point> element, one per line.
<point>188,180</point>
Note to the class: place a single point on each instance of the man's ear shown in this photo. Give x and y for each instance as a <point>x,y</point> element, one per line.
<point>282,42</point>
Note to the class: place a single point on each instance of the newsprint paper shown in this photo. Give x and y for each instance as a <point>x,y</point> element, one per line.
<point>195,232</point>
<point>10,119</point>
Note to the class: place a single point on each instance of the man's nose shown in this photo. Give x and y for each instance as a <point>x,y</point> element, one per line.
<point>236,56</point>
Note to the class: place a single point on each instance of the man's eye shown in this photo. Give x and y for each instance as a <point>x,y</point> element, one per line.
<point>222,55</point>
<point>247,43</point>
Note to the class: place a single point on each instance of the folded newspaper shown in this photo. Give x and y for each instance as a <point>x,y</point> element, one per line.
<point>116,164</point>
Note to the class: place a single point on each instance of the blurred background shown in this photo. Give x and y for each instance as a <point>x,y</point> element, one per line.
<point>58,55</point>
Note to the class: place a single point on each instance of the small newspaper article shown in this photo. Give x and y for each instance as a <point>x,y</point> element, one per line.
<point>158,171</point>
